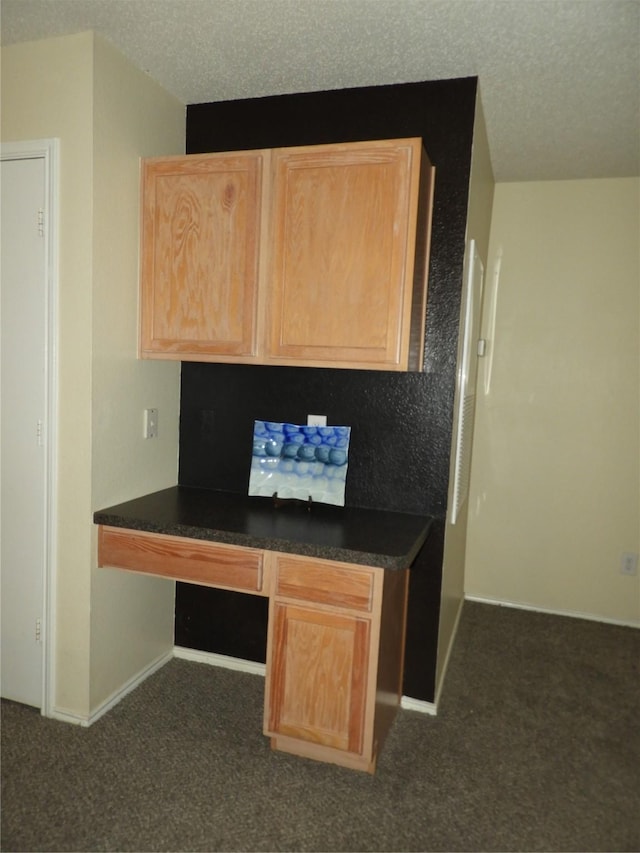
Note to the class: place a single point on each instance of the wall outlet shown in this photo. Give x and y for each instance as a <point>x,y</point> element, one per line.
<point>150,423</point>
<point>629,563</point>
<point>316,420</point>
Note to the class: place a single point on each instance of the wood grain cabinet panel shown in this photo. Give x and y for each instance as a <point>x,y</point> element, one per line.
<point>183,559</point>
<point>310,256</point>
<point>341,271</point>
<point>200,239</point>
<point>325,583</point>
<point>319,677</point>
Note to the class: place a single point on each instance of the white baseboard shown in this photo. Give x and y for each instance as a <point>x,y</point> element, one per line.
<point>241,665</point>
<point>67,717</point>
<point>130,685</point>
<point>573,614</point>
<point>215,659</point>
<point>111,701</point>
<point>409,704</point>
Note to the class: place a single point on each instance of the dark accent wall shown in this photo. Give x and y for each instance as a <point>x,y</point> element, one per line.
<point>401,422</point>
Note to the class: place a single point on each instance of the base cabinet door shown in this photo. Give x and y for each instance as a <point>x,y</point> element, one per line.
<point>318,681</point>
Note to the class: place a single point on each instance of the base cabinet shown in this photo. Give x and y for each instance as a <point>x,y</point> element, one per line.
<point>334,659</point>
<point>335,642</point>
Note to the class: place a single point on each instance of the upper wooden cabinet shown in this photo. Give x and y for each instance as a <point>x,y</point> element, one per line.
<point>314,256</point>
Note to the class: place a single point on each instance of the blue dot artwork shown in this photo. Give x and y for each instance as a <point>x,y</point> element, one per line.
<point>299,461</point>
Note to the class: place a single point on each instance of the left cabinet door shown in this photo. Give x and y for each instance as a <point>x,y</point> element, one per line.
<point>199,260</point>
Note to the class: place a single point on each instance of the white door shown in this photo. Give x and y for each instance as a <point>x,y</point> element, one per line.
<point>23,429</point>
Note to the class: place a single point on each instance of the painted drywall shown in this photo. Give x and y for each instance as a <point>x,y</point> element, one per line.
<point>48,91</point>
<point>131,616</point>
<point>481,191</point>
<point>555,488</point>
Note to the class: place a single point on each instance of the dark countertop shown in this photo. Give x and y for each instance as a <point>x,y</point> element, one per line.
<point>389,540</point>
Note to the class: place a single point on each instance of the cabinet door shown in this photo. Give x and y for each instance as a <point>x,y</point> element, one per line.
<point>200,237</point>
<point>317,685</point>
<point>342,255</point>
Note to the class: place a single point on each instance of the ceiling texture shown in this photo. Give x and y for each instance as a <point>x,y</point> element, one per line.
<point>559,79</point>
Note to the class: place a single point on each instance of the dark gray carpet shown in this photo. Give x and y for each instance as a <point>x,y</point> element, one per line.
<point>536,747</point>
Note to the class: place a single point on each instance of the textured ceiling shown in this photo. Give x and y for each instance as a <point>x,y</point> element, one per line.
<point>560,79</point>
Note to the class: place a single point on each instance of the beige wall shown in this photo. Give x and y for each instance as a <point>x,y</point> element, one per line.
<point>555,490</point>
<point>481,189</point>
<point>72,88</point>
<point>131,616</point>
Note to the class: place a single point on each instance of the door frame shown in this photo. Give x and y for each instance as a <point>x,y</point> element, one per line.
<point>49,151</point>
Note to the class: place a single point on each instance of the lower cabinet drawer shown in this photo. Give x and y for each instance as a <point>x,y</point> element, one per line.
<point>183,559</point>
<point>322,583</point>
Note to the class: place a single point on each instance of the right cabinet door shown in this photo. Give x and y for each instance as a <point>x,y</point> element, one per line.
<point>344,278</point>
<point>319,677</point>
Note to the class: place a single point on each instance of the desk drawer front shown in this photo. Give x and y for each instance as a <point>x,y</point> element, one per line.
<point>323,583</point>
<point>182,559</point>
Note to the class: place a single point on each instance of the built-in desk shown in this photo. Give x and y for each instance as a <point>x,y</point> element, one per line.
<point>336,579</point>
